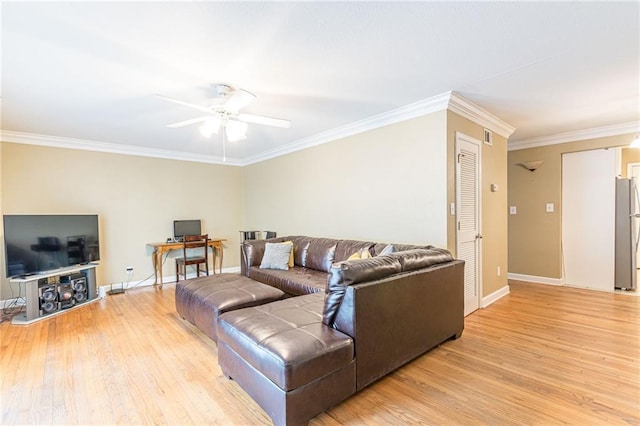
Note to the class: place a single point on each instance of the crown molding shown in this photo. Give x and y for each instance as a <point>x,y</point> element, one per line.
<point>407,112</point>
<point>473,112</point>
<point>447,100</point>
<point>89,145</point>
<point>575,136</point>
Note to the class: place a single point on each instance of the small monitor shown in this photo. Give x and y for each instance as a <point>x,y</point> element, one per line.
<point>186,227</point>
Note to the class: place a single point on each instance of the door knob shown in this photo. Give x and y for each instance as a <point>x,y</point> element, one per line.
<point>478,236</point>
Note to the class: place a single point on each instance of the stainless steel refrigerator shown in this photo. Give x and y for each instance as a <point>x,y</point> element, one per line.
<point>627,236</point>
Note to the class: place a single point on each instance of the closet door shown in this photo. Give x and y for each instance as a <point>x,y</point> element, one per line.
<point>588,218</point>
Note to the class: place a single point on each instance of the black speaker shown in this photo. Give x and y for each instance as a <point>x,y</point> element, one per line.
<point>48,295</point>
<point>65,296</point>
<point>79,286</point>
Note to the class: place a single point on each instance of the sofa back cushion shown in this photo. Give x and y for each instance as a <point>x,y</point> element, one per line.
<point>411,260</point>
<point>344,274</point>
<point>378,248</point>
<point>320,254</point>
<point>300,248</point>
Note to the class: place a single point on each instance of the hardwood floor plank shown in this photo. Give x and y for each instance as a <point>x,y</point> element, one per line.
<point>541,355</point>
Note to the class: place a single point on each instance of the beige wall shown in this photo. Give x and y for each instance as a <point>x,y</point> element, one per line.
<point>387,184</point>
<point>137,199</point>
<point>494,204</point>
<point>628,155</point>
<point>535,237</point>
<point>390,184</point>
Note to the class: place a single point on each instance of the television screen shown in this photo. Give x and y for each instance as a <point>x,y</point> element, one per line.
<point>39,243</point>
<point>186,227</point>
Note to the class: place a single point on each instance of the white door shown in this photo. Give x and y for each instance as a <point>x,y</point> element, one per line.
<point>468,232</point>
<point>588,218</point>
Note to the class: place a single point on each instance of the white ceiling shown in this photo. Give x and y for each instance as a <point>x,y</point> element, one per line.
<point>90,70</point>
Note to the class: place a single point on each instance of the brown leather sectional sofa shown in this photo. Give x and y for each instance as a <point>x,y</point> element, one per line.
<point>345,324</point>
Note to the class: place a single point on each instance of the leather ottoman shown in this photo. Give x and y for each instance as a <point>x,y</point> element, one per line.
<point>202,300</point>
<point>294,366</point>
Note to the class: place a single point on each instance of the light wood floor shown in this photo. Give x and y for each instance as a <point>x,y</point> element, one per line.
<point>542,355</point>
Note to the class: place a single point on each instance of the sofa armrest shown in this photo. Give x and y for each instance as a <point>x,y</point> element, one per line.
<point>251,253</point>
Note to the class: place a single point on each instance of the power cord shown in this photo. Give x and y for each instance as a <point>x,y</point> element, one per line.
<point>13,306</point>
<point>148,277</point>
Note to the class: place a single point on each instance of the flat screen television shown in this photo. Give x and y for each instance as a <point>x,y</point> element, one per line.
<point>39,243</point>
<point>186,227</point>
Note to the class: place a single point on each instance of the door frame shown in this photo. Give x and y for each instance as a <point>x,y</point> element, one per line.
<point>630,167</point>
<point>458,137</point>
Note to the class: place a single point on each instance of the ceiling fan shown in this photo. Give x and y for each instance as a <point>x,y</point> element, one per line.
<point>225,113</point>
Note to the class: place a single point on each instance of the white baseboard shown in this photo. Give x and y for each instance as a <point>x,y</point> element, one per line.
<point>165,280</point>
<point>534,279</point>
<point>6,303</point>
<point>495,296</point>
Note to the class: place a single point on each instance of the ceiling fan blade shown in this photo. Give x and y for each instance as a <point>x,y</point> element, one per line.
<point>179,102</point>
<point>239,99</point>
<point>261,119</point>
<point>188,122</point>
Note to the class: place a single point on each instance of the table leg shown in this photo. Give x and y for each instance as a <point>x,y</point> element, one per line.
<point>154,262</point>
<point>158,267</point>
<point>221,256</point>
<point>159,264</point>
<point>214,251</point>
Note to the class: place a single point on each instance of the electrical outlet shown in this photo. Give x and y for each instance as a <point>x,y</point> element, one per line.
<point>129,270</point>
<point>513,210</point>
<point>549,207</point>
<point>498,271</point>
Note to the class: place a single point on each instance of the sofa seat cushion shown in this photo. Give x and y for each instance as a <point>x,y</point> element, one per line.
<point>296,281</point>
<point>287,341</point>
<point>201,300</point>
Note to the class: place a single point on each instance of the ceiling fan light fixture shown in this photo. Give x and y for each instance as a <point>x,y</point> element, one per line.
<point>210,126</point>
<point>236,130</point>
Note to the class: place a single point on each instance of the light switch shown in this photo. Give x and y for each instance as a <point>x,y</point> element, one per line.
<point>513,210</point>
<point>549,207</point>
<point>452,209</point>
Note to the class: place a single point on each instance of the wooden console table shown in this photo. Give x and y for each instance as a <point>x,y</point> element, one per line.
<point>160,248</point>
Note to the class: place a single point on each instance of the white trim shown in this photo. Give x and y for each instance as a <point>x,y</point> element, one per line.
<point>19,301</point>
<point>89,145</point>
<point>495,296</point>
<point>579,135</point>
<point>170,279</point>
<point>447,100</point>
<point>534,279</point>
<point>484,118</point>
<point>459,136</point>
<point>407,112</point>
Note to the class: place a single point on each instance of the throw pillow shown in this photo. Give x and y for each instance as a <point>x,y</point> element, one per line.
<point>362,254</point>
<point>291,255</point>
<point>354,256</point>
<point>276,256</point>
<point>387,250</point>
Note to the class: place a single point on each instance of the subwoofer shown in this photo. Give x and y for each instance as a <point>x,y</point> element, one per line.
<point>65,296</point>
<point>79,286</point>
<point>48,296</point>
